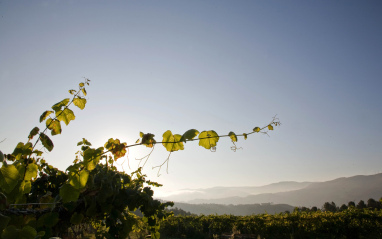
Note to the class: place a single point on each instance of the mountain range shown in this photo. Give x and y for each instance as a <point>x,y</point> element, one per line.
<point>294,194</point>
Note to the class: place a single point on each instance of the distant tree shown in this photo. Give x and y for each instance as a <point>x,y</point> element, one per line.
<point>343,207</point>
<point>361,205</point>
<point>371,203</point>
<point>330,207</point>
<point>313,209</point>
<point>351,204</point>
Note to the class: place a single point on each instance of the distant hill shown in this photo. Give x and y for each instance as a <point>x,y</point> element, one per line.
<point>341,190</point>
<point>187,195</point>
<point>238,210</point>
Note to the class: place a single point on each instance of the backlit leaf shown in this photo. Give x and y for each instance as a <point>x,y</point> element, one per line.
<point>25,187</point>
<point>59,105</point>
<point>45,140</point>
<point>233,136</point>
<point>81,84</point>
<point>9,177</point>
<point>168,138</point>
<point>31,171</point>
<point>45,114</point>
<point>245,135</point>
<point>256,129</point>
<point>79,181</point>
<point>54,126</point>
<point>72,92</point>
<point>189,134</point>
<point>68,193</point>
<point>84,91</point>
<point>270,127</point>
<point>66,115</point>
<point>33,132</point>
<point>148,140</point>
<point>79,102</point>
<point>208,139</point>
<point>116,148</point>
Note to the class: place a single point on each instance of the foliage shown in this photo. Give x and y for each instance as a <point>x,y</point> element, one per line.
<point>351,223</point>
<point>39,201</point>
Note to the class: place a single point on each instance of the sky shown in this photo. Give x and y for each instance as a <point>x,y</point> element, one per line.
<point>207,65</point>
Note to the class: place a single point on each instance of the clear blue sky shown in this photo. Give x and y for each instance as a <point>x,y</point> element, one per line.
<point>221,65</point>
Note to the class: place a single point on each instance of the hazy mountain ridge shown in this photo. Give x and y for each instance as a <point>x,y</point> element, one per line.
<point>188,195</point>
<point>340,190</point>
<point>237,210</point>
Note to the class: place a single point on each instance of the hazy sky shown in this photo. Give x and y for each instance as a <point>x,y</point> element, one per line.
<point>221,65</point>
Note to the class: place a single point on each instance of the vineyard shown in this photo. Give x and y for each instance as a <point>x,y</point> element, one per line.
<point>350,223</point>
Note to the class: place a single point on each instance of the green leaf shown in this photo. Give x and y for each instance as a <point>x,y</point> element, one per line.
<point>169,137</point>
<point>3,222</point>
<point>189,134</point>
<point>31,171</point>
<point>45,140</point>
<point>141,134</point>
<point>245,135</point>
<point>79,181</point>
<point>79,102</point>
<point>81,84</point>
<point>68,193</point>
<point>84,91</point>
<point>1,157</point>
<point>25,187</point>
<point>72,92</point>
<point>148,140</point>
<point>270,127</point>
<point>48,220</point>
<point>28,232</point>
<point>10,232</point>
<point>33,132</point>
<point>233,136</point>
<point>208,139</point>
<point>76,218</point>
<point>65,115</point>
<point>9,177</point>
<point>59,105</point>
<point>45,114</point>
<point>54,126</point>
<point>84,141</point>
<point>256,129</point>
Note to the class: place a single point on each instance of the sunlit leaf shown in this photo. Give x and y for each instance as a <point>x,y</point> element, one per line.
<point>81,84</point>
<point>84,91</point>
<point>45,114</point>
<point>31,171</point>
<point>79,181</point>
<point>25,187</point>
<point>72,92</point>
<point>9,177</point>
<point>116,148</point>
<point>148,140</point>
<point>168,138</point>
<point>208,139</point>
<point>66,115</point>
<point>79,102</point>
<point>141,134</point>
<point>46,141</point>
<point>233,136</point>
<point>256,129</point>
<point>57,107</point>
<point>189,134</point>
<point>54,126</point>
<point>68,193</point>
<point>33,132</point>
<point>270,127</point>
